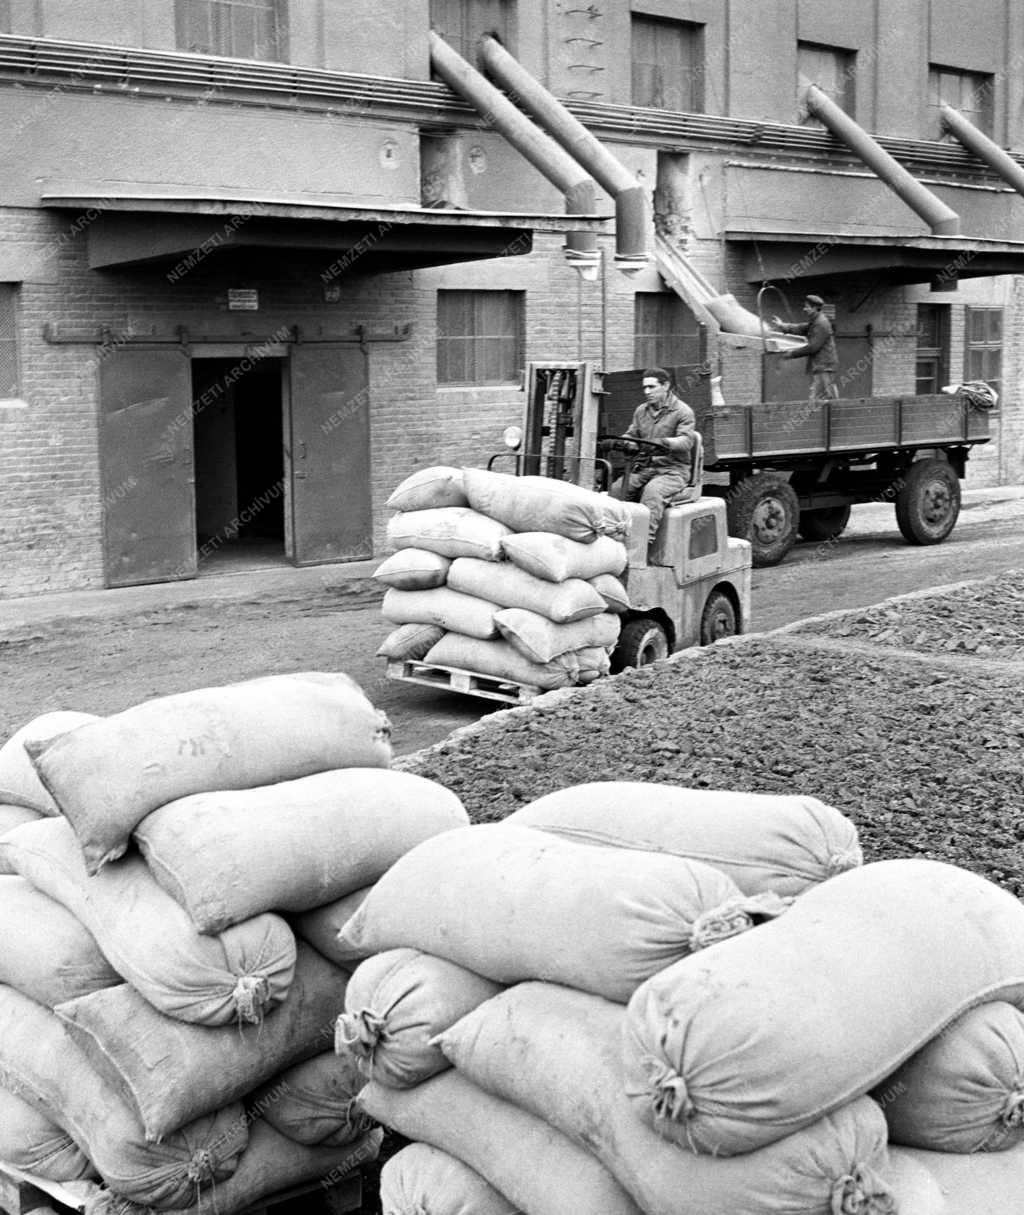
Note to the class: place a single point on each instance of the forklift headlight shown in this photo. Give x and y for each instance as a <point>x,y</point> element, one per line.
<point>512,437</point>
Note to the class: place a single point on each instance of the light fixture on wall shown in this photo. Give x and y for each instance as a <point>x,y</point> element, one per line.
<point>586,263</point>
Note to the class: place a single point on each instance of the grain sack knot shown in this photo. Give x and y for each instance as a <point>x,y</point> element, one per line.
<point>862,1192</point>
<point>849,858</point>
<point>734,916</point>
<point>250,994</point>
<point>359,1032</point>
<point>202,1168</point>
<point>669,1097</point>
<point>383,731</point>
<point>1012,1113</point>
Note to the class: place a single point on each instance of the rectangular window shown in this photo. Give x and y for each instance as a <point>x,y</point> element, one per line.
<point>479,337</point>
<point>833,69</point>
<point>667,64</point>
<point>983,346</point>
<point>10,388</point>
<point>5,16</point>
<point>234,29</point>
<point>968,92</point>
<point>461,23</point>
<point>932,347</point>
<point>665,331</point>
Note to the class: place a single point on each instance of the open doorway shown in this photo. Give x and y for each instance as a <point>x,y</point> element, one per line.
<point>239,462</point>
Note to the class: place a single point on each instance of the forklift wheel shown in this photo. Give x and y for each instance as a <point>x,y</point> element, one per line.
<point>641,642</point>
<point>718,619</point>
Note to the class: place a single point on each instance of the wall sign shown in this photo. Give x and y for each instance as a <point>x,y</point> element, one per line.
<point>243,299</point>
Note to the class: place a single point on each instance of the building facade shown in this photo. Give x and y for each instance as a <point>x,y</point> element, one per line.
<point>260,262</point>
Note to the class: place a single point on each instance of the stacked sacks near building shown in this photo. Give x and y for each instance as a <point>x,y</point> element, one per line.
<point>509,577</point>
<point>168,1030</point>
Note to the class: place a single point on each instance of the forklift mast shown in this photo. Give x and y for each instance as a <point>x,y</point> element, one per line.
<point>560,425</point>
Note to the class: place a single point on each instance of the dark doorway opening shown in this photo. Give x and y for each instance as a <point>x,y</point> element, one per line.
<point>239,461</point>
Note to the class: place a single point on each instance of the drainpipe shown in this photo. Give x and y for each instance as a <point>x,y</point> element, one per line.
<point>984,148</point>
<point>610,172</point>
<point>942,220</point>
<point>542,152</point>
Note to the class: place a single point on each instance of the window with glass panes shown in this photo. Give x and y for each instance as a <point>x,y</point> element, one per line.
<point>236,29</point>
<point>665,331</point>
<point>479,337</point>
<point>968,92</point>
<point>9,388</point>
<point>667,64</point>
<point>461,23</point>
<point>833,69</point>
<point>983,345</point>
<point>932,347</point>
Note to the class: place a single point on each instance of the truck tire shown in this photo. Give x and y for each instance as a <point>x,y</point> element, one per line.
<point>827,523</point>
<point>641,642</point>
<point>718,619</point>
<point>764,510</point>
<point>928,502</point>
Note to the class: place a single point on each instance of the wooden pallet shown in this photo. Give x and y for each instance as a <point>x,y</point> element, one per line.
<point>451,679</point>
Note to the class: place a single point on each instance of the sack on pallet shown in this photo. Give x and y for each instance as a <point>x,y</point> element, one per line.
<point>728,1075</point>
<point>313,1102</point>
<point>293,846</point>
<point>11,817</point>
<point>413,569</point>
<point>423,1180</point>
<point>500,660</point>
<point>508,586</point>
<point>19,782</point>
<point>409,642</point>
<point>451,531</point>
<point>45,951</point>
<point>42,1063</point>
<point>556,558</point>
<point>174,1072</point>
<point>537,1169</point>
<point>964,1090</point>
<point>540,640</point>
<point>31,1141</point>
<point>271,1165</point>
<point>613,594</point>
<point>237,976</point>
<point>396,1002</point>
<point>763,841</point>
<point>601,919</point>
<point>557,1054</point>
<point>542,504</point>
<point>108,775</point>
<point>448,609</point>
<point>439,485</point>
<point>321,926</point>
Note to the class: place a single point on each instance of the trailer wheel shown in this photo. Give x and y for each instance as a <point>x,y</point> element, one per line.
<point>827,523</point>
<point>764,510</point>
<point>928,502</point>
<point>718,619</point>
<point>641,642</point>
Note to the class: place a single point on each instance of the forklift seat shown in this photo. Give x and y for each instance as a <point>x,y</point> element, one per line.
<point>693,488</point>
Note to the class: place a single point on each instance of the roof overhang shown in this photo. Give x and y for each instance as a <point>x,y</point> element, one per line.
<point>126,229</point>
<point>886,259</point>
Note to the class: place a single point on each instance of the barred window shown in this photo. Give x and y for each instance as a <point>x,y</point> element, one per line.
<point>983,346</point>
<point>479,337</point>
<point>10,388</point>
<point>968,92</point>
<point>833,69</point>
<point>932,347</point>
<point>461,23</point>
<point>665,331</point>
<point>235,29</point>
<point>667,64</point>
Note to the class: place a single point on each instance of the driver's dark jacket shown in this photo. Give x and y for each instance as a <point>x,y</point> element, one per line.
<point>674,419</point>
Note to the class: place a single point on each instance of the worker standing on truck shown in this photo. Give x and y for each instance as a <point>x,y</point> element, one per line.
<point>820,349</point>
<point>658,477</point>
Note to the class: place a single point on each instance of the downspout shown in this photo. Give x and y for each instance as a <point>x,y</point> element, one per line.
<point>610,173</point>
<point>942,220</point>
<point>540,150</point>
<point>984,148</point>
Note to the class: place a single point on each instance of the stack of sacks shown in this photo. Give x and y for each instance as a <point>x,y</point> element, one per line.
<point>510,577</point>
<point>190,822</point>
<point>488,906</point>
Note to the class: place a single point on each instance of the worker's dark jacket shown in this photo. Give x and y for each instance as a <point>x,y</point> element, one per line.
<point>821,343</point>
<point>673,420</point>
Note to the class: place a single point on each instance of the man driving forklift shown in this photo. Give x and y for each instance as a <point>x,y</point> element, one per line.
<point>666,433</point>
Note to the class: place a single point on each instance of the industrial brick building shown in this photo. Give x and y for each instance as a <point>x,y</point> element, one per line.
<point>259,261</point>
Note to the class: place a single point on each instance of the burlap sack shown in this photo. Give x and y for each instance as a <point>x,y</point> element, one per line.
<point>859,974</point>
<point>509,586</point>
<point>238,975</point>
<point>108,775</point>
<point>41,1063</point>
<point>409,642</point>
<point>451,531</point>
<point>413,569</point>
<point>11,817</point>
<point>33,1142</point>
<point>612,592</point>
<point>321,926</point>
<point>964,1090</point>
<point>172,1072</point>
<point>540,640</point>
<point>542,504</point>
<point>314,1102</point>
<point>601,919</point>
<point>293,846</point>
<point>557,558</point>
<point>763,841</point>
<point>439,485</point>
<point>19,783</point>
<point>395,1004</point>
<point>557,1054</point>
<point>423,1180</point>
<point>537,1169</point>
<point>448,609</point>
<point>978,1184</point>
<point>500,660</point>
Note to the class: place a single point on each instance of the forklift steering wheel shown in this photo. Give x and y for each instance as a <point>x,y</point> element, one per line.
<point>618,443</point>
